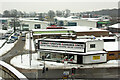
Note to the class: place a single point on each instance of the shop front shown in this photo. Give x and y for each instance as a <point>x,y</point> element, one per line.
<point>72,51</point>
<point>73,57</point>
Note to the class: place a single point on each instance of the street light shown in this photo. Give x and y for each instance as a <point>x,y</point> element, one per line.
<point>30,48</point>
<point>43,58</point>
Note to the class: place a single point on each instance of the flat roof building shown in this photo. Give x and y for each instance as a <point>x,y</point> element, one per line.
<point>27,24</point>
<point>113,49</point>
<point>89,31</point>
<point>53,33</point>
<point>80,51</point>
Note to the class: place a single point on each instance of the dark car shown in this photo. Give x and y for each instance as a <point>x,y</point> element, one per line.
<point>23,34</point>
<point>16,34</point>
<point>14,37</point>
<point>23,39</point>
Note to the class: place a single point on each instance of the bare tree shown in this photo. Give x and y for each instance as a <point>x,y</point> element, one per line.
<point>14,13</point>
<point>51,14</point>
<point>32,14</point>
<point>59,13</point>
<point>40,16</point>
<point>6,13</point>
<point>67,13</point>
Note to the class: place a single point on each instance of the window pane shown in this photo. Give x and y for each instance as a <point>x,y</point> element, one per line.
<point>111,54</point>
<point>92,45</point>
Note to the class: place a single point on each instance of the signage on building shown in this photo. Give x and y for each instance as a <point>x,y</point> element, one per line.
<point>62,46</point>
<point>96,57</point>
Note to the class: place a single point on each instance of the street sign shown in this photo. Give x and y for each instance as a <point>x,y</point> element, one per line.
<point>66,73</point>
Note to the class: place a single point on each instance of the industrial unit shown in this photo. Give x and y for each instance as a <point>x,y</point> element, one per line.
<point>53,33</point>
<point>89,31</point>
<point>27,24</point>
<point>69,32</point>
<point>101,22</point>
<point>79,51</point>
<point>113,50</point>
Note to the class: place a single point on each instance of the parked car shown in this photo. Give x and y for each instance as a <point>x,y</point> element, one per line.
<point>23,39</point>
<point>8,33</point>
<point>23,34</point>
<point>16,34</point>
<point>10,41</point>
<point>14,37</point>
<point>3,37</point>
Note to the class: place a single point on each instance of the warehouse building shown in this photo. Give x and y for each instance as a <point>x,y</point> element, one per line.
<point>27,24</point>
<point>53,33</point>
<point>85,30</point>
<point>79,51</point>
<point>101,22</point>
<point>113,50</point>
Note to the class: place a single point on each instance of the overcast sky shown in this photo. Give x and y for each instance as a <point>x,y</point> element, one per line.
<point>46,5</point>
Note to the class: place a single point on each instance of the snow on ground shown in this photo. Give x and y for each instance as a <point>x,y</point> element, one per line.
<point>3,31</point>
<point>1,78</point>
<point>23,62</point>
<point>2,42</point>
<point>27,47</point>
<point>115,25</point>
<point>7,47</point>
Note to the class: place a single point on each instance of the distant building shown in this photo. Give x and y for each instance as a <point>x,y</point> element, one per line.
<point>113,49</point>
<point>101,22</point>
<point>33,24</point>
<point>89,31</point>
<point>114,28</point>
<point>4,23</point>
<point>53,33</point>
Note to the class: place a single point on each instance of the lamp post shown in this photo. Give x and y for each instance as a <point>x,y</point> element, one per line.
<point>43,58</point>
<point>30,48</point>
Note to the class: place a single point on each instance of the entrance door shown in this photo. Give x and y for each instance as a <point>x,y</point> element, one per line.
<point>79,59</point>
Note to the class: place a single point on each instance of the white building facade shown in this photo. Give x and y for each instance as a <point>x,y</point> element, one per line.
<point>81,51</point>
<point>33,24</point>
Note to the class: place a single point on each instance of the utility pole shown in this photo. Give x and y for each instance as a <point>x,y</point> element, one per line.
<point>14,24</point>
<point>30,48</point>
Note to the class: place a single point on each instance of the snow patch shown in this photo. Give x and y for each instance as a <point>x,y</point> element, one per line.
<point>27,42</point>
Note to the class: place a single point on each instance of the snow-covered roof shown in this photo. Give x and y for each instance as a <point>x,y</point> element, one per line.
<point>51,34</point>
<point>13,70</point>
<point>70,40</point>
<point>115,25</point>
<point>4,18</point>
<point>106,37</point>
<point>91,19</point>
<point>37,21</point>
<point>87,53</point>
<point>87,37</point>
<point>51,30</point>
<point>112,46</point>
<point>63,19</point>
<point>83,29</point>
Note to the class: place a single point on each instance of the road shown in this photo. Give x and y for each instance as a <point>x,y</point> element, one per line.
<point>58,73</point>
<point>16,50</point>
